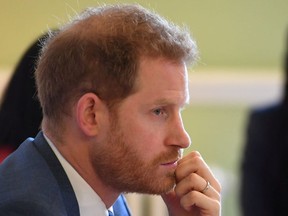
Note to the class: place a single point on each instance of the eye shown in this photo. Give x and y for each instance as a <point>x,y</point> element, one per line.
<point>160,112</point>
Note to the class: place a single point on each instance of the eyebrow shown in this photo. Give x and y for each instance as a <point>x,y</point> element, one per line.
<point>165,101</point>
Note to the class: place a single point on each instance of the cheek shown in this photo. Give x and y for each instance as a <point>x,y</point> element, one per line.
<point>143,133</point>
<point>145,139</point>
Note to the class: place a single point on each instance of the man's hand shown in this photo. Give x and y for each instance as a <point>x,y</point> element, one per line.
<point>197,192</point>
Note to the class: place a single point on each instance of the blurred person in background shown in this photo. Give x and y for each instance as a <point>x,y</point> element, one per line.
<point>112,84</point>
<point>264,186</point>
<point>20,110</point>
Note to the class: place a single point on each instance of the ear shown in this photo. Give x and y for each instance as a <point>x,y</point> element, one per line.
<point>89,111</point>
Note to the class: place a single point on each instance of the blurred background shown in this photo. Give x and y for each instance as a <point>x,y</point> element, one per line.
<point>241,43</point>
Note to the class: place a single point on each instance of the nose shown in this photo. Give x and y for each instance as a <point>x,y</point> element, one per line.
<point>177,135</point>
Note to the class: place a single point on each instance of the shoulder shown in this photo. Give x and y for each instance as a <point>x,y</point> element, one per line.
<point>266,117</point>
<point>25,160</point>
<point>26,181</point>
<point>28,207</point>
<point>267,112</point>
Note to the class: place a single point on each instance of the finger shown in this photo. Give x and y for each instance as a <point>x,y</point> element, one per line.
<point>210,191</point>
<point>192,154</point>
<point>206,205</point>
<point>197,183</point>
<point>194,163</point>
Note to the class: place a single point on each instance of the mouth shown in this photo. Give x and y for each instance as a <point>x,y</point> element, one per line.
<point>171,162</point>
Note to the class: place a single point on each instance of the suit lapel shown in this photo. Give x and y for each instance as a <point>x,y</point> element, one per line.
<point>68,195</point>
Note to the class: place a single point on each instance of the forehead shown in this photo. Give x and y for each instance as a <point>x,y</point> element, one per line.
<point>163,80</point>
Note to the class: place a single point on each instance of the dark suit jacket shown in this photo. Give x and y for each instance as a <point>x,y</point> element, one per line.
<point>264,188</point>
<point>33,182</point>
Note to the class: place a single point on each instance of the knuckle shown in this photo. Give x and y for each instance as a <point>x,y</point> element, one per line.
<point>217,207</point>
<point>192,177</point>
<point>192,195</point>
<point>218,186</point>
<point>198,161</point>
<point>189,199</point>
<point>195,153</point>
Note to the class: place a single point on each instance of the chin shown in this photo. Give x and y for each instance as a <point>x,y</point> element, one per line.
<point>153,186</point>
<point>163,186</point>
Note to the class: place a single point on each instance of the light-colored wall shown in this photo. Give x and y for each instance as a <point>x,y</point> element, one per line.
<point>229,33</point>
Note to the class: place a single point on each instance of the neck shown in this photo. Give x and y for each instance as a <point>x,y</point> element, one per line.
<point>78,157</point>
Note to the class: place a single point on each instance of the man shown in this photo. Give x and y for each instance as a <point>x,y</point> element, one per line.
<point>111,85</point>
<point>264,163</point>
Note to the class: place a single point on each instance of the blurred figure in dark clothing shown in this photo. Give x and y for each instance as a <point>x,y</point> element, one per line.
<point>264,186</point>
<point>20,111</point>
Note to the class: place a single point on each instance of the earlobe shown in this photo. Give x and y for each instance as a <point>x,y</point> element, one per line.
<point>87,109</point>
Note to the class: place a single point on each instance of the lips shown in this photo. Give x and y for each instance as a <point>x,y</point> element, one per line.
<point>171,162</point>
<point>168,158</point>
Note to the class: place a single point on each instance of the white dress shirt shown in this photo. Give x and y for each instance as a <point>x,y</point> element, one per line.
<point>90,204</point>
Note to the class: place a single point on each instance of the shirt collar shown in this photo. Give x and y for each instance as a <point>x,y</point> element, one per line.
<point>90,204</point>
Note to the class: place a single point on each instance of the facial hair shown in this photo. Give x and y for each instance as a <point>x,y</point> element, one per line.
<point>120,166</point>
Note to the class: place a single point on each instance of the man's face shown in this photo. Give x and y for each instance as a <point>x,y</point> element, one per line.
<point>146,132</point>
